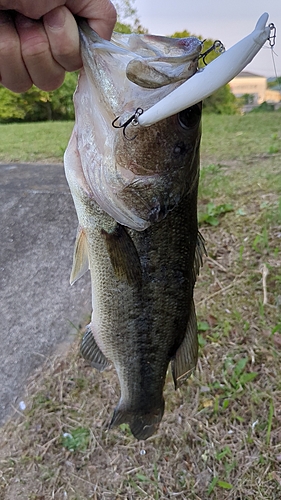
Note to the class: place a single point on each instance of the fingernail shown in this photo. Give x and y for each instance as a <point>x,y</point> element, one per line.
<point>55,19</point>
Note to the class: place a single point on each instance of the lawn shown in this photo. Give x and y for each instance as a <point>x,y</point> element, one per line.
<point>224,138</point>
<point>43,142</point>
<point>220,438</point>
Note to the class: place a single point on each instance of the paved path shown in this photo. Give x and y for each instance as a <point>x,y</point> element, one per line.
<point>37,304</point>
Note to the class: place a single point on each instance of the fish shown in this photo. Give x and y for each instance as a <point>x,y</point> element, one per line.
<point>135,194</point>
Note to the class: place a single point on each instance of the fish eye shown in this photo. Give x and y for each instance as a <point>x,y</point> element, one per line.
<point>190,117</point>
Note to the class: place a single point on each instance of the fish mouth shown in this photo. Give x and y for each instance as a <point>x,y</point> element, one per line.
<point>116,77</point>
<point>148,61</point>
<point>156,72</point>
<point>218,73</point>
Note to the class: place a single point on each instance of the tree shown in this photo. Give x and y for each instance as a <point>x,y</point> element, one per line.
<point>127,20</point>
<point>275,83</point>
<point>38,105</point>
<point>264,106</point>
<point>207,44</point>
<point>222,101</point>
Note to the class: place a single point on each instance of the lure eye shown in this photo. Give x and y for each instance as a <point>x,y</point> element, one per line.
<point>190,117</point>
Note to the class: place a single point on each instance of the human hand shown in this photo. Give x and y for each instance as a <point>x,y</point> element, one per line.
<point>39,40</point>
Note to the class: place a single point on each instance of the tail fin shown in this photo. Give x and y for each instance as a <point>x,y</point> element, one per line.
<point>142,425</point>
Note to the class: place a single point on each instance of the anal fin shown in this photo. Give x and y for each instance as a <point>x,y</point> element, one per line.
<point>90,351</point>
<point>185,359</point>
<point>80,256</point>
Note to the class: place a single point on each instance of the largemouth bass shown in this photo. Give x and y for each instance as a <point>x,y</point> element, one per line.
<point>135,192</point>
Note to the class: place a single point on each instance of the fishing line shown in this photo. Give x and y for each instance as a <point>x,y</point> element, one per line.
<point>272,40</point>
<point>274,66</point>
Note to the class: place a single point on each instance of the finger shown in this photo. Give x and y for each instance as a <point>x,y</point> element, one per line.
<point>14,74</point>
<point>44,71</point>
<point>62,32</point>
<point>101,14</point>
<point>31,8</point>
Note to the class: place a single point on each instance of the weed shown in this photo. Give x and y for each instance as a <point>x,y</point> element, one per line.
<point>239,377</point>
<point>201,341</point>
<point>241,211</point>
<point>202,326</point>
<point>226,328</point>
<point>221,484</point>
<point>260,242</point>
<point>241,252</point>
<point>213,212</point>
<point>276,329</point>
<point>151,480</point>
<point>273,149</point>
<point>269,422</point>
<point>77,440</point>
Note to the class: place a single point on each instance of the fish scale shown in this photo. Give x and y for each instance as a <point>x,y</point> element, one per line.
<point>138,231</point>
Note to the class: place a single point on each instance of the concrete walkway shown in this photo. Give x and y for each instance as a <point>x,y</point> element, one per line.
<point>37,304</point>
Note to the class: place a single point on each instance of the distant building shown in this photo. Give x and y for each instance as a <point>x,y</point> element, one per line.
<point>272,96</point>
<point>255,86</point>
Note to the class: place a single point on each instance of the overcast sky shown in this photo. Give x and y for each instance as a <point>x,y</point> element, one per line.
<point>228,21</point>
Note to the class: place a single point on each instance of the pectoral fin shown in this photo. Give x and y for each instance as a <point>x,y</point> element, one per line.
<point>90,351</point>
<point>80,257</point>
<point>185,359</point>
<point>123,255</point>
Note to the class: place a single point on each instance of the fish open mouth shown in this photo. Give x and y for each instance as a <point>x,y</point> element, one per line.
<point>143,79</point>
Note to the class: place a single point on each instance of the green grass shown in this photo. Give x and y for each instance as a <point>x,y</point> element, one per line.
<point>237,137</point>
<point>34,142</point>
<point>224,138</point>
<point>220,434</point>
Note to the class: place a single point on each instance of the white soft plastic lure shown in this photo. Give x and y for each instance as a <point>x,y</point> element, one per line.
<point>218,73</point>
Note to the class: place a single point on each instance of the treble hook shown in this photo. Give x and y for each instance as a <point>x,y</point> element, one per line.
<point>217,46</point>
<point>272,37</point>
<point>133,119</point>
